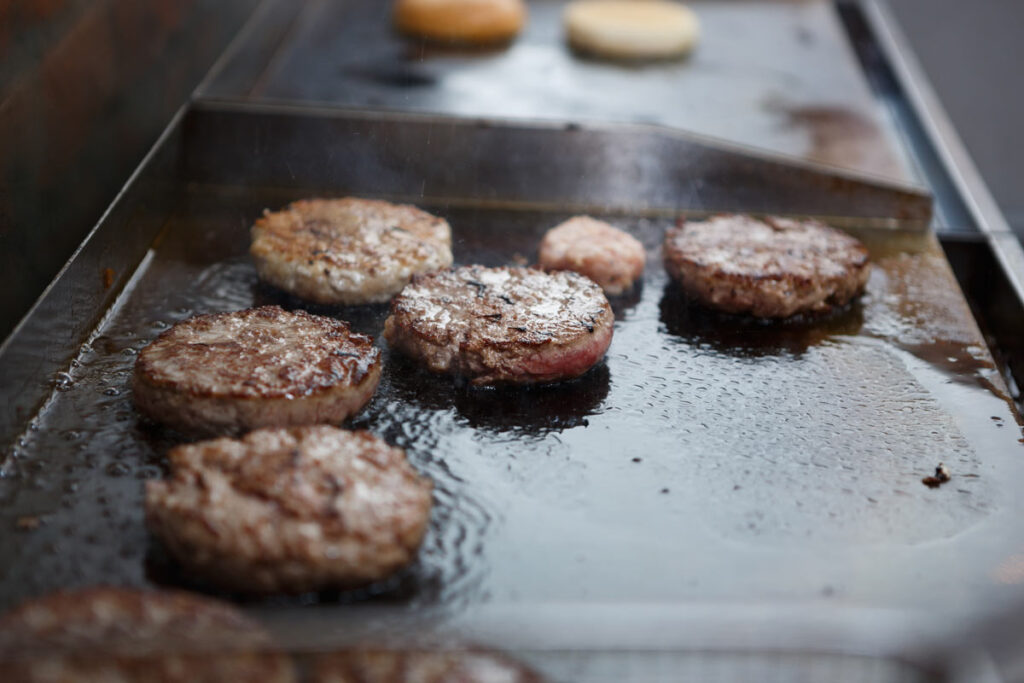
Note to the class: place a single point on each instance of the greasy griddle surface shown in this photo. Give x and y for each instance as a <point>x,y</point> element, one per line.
<point>707,458</point>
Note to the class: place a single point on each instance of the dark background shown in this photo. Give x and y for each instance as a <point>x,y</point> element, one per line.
<point>86,86</point>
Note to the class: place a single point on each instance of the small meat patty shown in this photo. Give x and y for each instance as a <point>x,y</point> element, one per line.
<point>610,257</point>
<point>122,634</point>
<point>769,268</point>
<point>502,325</point>
<point>262,367</point>
<point>290,510</point>
<point>419,666</point>
<point>348,251</point>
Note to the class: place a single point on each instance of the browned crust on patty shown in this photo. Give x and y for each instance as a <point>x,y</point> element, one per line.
<point>770,268</point>
<point>502,325</point>
<point>123,634</point>
<point>290,510</point>
<point>258,367</point>
<point>350,250</point>
<point>419,666</point>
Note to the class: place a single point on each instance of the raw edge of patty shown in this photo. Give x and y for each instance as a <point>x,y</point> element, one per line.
<point>126,634</point>
<point>348,251</point>
<point>607,255</point>
<point>502,325</point>
<point>252,374</point>
<point>768,268</point>
<point>290,510</point>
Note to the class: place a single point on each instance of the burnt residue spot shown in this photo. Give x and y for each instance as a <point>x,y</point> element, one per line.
<point>393,75</point>
<point>28,523</point>
<point>492,316</point>
<point>940,477</point>
<point>636,460</point>
<point>506,299</point>
<point>480,287</point>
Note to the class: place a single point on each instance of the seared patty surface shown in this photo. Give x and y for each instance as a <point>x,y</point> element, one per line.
<point>230,372</point>
<point>348,251</point>
<point>502,325</point>
<point>770,268</point>
<point>290,510</point>
<point>123,634</point>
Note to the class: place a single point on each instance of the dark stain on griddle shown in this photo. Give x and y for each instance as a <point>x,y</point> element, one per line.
<point>940,477</point>
<point>400,75</point>
<point>840,136</point>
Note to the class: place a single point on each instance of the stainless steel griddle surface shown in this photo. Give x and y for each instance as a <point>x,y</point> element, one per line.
<point>775,74</point>
<point>708,463</point>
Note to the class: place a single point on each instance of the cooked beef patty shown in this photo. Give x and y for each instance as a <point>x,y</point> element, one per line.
<point>348,251</point>
<point>502,325</point>
<point>290,510</point>
<point>610,257</point>
<point>261,367</point>
<point>122,634</point>
<point>770,268</point>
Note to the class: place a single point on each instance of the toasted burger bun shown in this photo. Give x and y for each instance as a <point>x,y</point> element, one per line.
<point>631,29</point>
<point>461,21</point>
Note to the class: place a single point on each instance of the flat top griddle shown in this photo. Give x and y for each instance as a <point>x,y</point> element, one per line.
<point>708,461</point>
<point>776,74</point>
<point>713,482</point>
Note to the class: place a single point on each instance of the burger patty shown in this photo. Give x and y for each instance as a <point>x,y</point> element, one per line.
<point>610,257</point>
<point>121,634</point>
<point>770,268</point>
<point>419,666</point>
<point>290,510</point>
<point>261,367</point>
<point>502,325</point>
<point>348,251</point>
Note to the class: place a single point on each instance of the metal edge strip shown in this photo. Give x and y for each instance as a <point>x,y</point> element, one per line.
<point>319,110</point>
<point>948,144</point>
<point>59,295</point>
